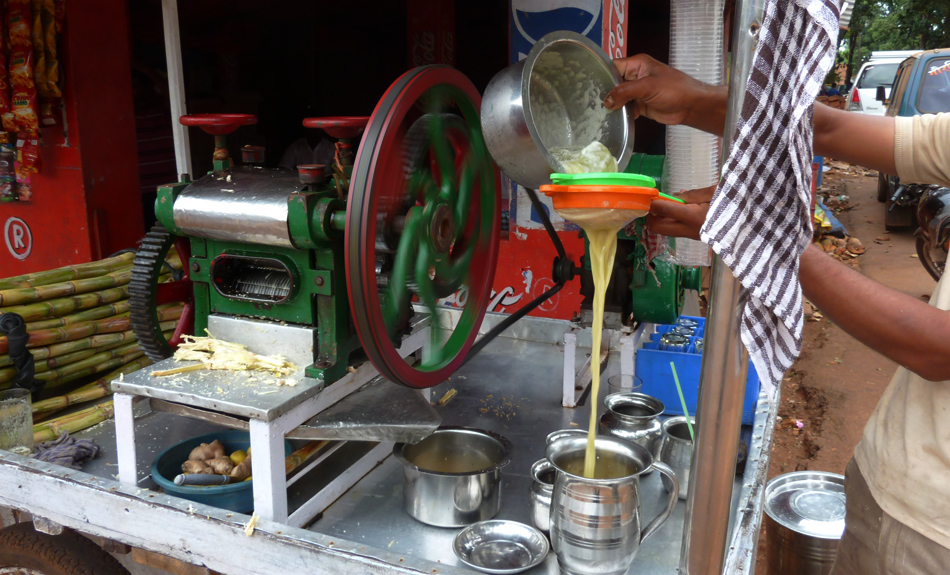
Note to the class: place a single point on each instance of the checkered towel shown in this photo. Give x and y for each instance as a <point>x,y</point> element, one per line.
<point>759,220</point>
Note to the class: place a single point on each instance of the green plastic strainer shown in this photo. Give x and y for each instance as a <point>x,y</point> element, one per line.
<point>603,179</point>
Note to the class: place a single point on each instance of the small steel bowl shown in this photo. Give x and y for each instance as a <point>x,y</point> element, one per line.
<point>683,330</point>
<point>674,342</point>
<point>686,322</point>
<point>501,547</point>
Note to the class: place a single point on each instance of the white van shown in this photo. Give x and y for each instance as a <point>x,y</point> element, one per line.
<point>879,70</point>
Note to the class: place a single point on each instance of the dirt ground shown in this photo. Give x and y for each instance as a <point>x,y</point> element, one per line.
<point>836,382</point>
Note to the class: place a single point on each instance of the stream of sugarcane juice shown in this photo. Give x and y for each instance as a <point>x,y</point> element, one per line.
<point>601,227</point>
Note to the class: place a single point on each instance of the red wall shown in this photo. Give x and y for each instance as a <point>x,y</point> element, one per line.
<point>86,203</point>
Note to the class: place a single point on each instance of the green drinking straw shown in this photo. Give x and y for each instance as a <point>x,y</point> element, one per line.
<point>679,390</point>
<point>669,197</point>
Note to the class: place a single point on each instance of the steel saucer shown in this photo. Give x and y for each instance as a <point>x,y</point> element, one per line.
<point>500,547</point>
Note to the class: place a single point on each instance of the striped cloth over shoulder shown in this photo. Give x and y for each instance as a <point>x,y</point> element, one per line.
<point>759,220</point>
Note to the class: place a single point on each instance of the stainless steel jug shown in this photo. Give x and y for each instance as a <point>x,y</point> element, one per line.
<point>595,523</point>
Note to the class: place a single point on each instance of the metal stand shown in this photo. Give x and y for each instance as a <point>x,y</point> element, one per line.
<point>576,381</point>
<point>725,360</point>
<point>272,412</point>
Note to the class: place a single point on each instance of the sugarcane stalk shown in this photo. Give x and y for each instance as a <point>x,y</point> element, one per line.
<point>169,312</point>
<point>126,369</point>
<point>92,361</point>
<point>102,388</point>
<point>22,296</point>
<point>113,347</point>
<point>70,358</point>
<point>42,355</point>
<point>93,314</point>
<point>297,458</point>
<point>73,416</point>
<point>42,417</point>
<point>93,390</point>
<point>92,416</point>
<point>68,273</point>
<point>106,366</point>
<point>73,332</point>
<point>67,305</point>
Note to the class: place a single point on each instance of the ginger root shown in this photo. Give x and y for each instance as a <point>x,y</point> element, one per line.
<point>221,465</point>
<point>207,451</point>
<point>242,471</point>
<point>195,467</point>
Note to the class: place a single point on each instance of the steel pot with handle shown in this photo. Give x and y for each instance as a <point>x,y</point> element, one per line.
<point>453,477</point>
<point>553,99</point>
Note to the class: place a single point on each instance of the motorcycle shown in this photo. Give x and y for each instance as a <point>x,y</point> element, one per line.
<point>901,203</point>
<point>933,235</point>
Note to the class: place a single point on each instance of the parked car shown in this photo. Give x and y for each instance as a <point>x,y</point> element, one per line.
<point>879,70</point>
<point>921,86</point>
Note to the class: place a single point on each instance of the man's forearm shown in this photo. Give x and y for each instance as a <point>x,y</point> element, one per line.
<point>880,317</point>
<point>854,138</point>
<point>708,110</point>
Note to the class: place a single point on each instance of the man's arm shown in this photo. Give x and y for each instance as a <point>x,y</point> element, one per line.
<point>878,316</point>
<point>671,97</point>
<point>855,138</point>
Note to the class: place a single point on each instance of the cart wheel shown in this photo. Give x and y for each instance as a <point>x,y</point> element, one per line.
<point>25,551</point>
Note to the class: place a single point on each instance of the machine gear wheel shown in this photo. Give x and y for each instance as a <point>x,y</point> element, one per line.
<point>423,223</point>
<point>146,294</point>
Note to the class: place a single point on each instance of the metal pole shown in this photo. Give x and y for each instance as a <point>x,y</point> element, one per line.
<point>176,86</point>
<point>725,361</point>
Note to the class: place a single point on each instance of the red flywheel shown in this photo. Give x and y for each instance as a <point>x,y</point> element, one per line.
<point>423,223</point>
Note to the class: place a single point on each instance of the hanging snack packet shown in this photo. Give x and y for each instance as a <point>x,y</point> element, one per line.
<point>6,110</point>
<point>25,106</point>
<point>49,45</point>
<point>39,53</point>
<point>60,15</point>
<point>27,163</point>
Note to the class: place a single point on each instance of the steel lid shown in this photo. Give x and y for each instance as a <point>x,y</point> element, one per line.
<point>808,502</point>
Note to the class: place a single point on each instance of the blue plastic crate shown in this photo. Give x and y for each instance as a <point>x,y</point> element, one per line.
<point>653,369</point>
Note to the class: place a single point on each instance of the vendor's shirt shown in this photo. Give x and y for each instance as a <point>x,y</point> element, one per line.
<point>905,451</point>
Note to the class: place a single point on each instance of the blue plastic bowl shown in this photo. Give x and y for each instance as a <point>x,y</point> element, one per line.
<point>238,497</point>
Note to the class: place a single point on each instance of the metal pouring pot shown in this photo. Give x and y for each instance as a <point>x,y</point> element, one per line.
<point>546,101</point>
<point>595,523</point>
<point>453,476</point>
<point>543,474</point>
<point>634,417</point>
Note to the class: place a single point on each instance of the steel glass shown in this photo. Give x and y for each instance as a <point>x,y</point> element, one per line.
<point>675,448</point>
<point>16,421</point>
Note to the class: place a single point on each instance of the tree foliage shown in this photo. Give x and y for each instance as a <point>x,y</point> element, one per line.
<point>895,25</point>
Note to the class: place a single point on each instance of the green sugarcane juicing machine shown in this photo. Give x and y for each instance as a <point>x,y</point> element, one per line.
<point>408,214</point>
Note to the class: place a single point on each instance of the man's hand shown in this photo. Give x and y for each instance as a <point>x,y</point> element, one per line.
<point>667,95</point>
<point>680,220</point>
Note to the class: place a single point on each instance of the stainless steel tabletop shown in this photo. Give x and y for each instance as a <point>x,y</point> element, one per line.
<point>251,394</point>
<point>513,388</point>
